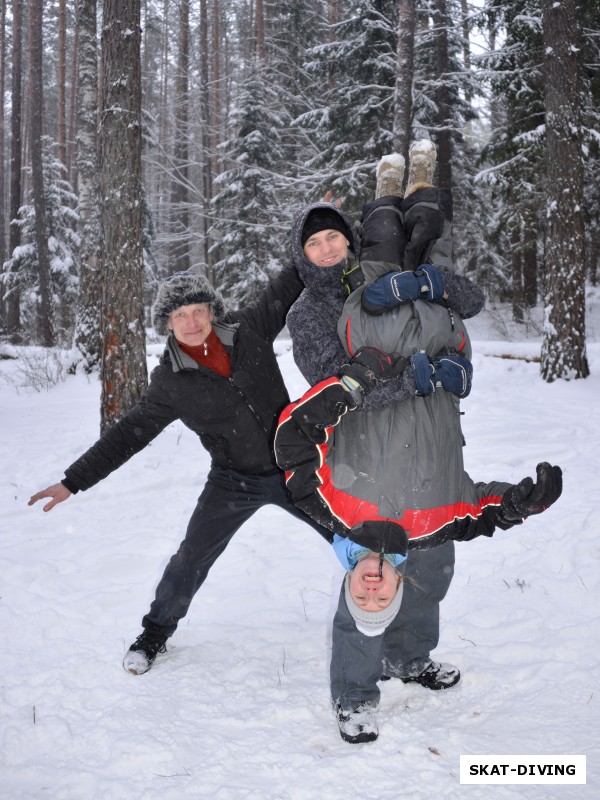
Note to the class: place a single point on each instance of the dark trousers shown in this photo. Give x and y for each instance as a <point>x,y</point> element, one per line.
<point>227,501</point>
<point>409,232</point>
<point>359,661</point>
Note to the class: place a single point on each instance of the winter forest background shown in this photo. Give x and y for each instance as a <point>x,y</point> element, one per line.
<point>142,138</point>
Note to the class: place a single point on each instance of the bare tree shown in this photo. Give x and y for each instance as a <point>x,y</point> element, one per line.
<point>124,372</point>
<point>36,115</point>
<point>563,346</point>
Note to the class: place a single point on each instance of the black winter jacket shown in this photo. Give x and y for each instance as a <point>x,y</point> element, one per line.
<point>234,417</point>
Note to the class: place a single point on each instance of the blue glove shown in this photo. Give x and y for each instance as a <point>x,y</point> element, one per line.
<point>395,288</point>
<point>453,373</point>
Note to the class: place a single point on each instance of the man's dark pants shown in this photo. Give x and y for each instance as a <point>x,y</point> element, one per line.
<point>228,500</point>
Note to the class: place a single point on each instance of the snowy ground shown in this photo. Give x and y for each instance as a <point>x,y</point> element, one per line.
<point>238,709</point>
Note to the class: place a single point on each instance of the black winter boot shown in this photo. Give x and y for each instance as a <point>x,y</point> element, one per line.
<point>435,676</point>
<point>142,653</point>
<point>359,725</point>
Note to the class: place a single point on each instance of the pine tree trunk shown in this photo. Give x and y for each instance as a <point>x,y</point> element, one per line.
<point>516,273</point>
<point>563,346</point>
<point>62,80</point>
<point>260,30</point>
<point>205,89</point>
<point>593,253</point>
<point>124,371</point>
<point>87,326</point>
<point>13,316</point>
<point>73,108</point>
<point>465,13</point>
<point>442,68</point>
<point>218,113</point>
<point>180,227</point>
<point>36,114</point>
<point>332,20</point>
<point>529,256</point>
<point>2,145</point>
<point>403,101</point>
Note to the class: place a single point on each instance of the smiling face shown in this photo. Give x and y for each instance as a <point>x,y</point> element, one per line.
<point>326,248</point>
<point>368,590</point>
<point>191,324</point>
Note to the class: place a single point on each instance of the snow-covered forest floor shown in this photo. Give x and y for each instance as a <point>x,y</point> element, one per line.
<point>238,708</point>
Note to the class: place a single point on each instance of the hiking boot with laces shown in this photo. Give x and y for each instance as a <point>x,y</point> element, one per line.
<point>359,725</point>
<point>390,174</point>
<point>142,653</point>
<point>421,165</point>
<point>433,676</point>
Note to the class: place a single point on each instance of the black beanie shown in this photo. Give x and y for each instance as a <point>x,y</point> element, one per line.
<point>324,219</point>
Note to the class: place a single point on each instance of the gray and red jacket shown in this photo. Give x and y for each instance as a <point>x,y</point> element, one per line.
<point>399,457</point>
<point>305,447</point>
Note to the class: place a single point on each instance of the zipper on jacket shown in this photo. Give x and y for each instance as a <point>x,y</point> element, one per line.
<point>251,407</point>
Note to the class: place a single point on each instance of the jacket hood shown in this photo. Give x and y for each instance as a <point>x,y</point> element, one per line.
<point>311,275</point>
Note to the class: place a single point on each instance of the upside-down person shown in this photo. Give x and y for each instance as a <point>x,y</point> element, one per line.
<point>396,464</point>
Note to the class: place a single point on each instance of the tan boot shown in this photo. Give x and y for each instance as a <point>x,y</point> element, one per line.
<point>421,165</point>
<point>390,174</point>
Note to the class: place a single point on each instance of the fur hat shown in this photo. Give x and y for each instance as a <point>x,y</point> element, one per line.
<point>183,289</point>
<point>323,219</point>
<point>372,623</point>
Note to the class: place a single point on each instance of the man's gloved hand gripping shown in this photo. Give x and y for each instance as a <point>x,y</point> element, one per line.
<point>368,367</point>
<point>395,288</point>
<point>453,373</point>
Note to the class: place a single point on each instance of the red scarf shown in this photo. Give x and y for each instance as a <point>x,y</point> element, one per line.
<point>211,354</point>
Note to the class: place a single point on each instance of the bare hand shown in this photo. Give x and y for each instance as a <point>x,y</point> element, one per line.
<point>58,492</point>
<point>329,195</point>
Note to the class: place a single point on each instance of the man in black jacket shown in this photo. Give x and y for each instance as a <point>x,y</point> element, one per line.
<point>220,377</point>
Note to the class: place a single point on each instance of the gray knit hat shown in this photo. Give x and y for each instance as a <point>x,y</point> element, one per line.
<point>184,289</point>
<point>372,623</point>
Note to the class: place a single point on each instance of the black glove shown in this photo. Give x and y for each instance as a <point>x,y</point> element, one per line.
<point>528,498</point>
<point>380,536</point>
<point>370,366</point>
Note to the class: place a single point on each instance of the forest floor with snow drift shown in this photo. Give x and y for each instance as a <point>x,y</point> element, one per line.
<point>238,708</point>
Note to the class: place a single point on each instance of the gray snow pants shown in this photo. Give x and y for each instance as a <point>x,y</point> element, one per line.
<point>359,661</point>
